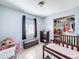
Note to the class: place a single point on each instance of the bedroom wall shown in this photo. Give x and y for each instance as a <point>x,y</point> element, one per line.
<point>49,20</point>
<point>11,23</point>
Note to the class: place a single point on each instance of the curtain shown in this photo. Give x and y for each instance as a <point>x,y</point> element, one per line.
<point>23,27</point>
<point>35,23</point>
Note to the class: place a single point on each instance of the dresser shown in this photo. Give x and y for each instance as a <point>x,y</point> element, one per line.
<point>44,36</point>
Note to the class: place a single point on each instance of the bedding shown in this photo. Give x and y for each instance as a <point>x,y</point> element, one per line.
<point>63,50</point>
<point>7,53</point>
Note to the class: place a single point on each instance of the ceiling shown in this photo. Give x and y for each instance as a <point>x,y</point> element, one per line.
<point>32,7</point>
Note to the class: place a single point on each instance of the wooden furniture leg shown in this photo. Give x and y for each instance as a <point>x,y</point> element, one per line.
<point>43,52</point>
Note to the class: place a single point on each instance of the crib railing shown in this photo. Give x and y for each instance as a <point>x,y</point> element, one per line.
<point>68,40</point>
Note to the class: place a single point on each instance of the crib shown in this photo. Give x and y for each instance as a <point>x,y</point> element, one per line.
<point>67,47</point>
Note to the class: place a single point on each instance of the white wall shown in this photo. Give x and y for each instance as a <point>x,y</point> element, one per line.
<point>49,20</point>
<point>11,23</point>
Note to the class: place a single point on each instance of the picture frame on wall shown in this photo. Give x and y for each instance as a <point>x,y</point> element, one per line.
<point>65,24</point>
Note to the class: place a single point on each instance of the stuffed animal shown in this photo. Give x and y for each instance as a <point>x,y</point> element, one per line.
<point>6,43</point>
<point>3,45</point>
<point>9,42</point>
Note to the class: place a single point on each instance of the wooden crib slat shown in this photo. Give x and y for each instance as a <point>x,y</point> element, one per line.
<point>77,43</point>
<point>74,40</point>
<point>68,40</point>
<point>65,39</point>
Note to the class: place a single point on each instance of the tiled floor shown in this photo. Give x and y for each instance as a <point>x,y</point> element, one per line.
<point>34,52</point>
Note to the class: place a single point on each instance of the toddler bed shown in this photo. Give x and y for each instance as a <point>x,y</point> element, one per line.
<point>7,53</point>
<point>7,49</point>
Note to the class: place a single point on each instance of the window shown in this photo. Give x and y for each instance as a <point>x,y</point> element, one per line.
<point>29,28</point>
